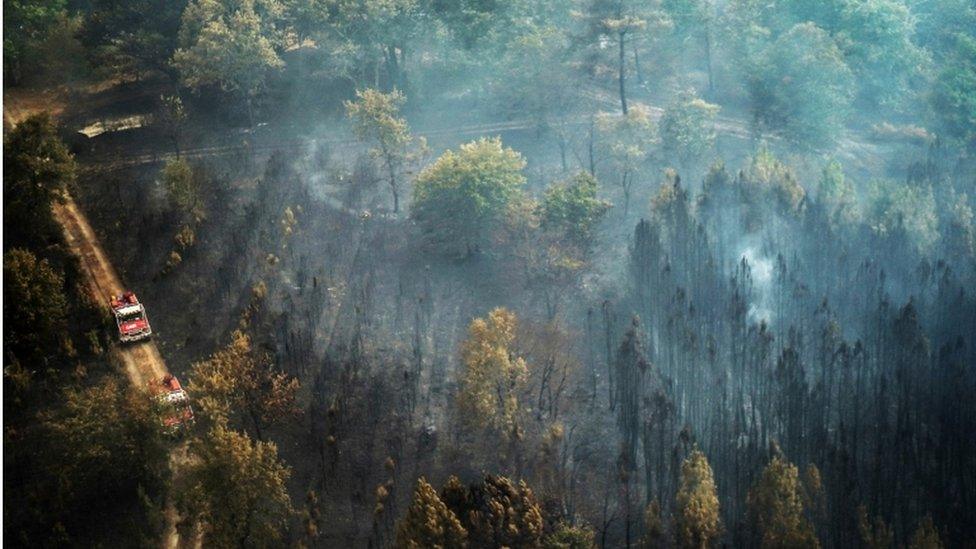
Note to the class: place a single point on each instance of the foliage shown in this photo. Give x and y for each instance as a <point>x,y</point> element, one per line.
<point>874,536</point>
<point>234,488</point>
<point>902,208</point>
<point>230,44</point>
<point>954,95</point>
<point>92,455</point>
<point>877,38</point>
<point>26,24</point>
<point>698,523</point>
<point>776,508</point>
<point>496,512</point>
<point>535,78</point>
<point>767,180</point>
<point>37,167</point>
<point>688,128</point>
<point>492,374</point>
<point>801,87</point>
<point>567,536</point>
<point>239,379</point>
<point>183,187</point>
<point>626,141</point>
<point>573,210</point>
<point>34,308</point>
<point>376,120</point>
<point>926,536</point>
<point>428,522</point>
<point>462,197</point>
<point>836,193</point>
<point>132,37</point>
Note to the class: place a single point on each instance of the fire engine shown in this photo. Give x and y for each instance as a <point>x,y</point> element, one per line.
<point>130,316</point>
<point>174,403</point>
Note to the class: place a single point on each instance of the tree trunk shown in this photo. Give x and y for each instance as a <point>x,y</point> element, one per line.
<point>621,76</point>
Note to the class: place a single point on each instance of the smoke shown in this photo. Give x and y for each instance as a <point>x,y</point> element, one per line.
<point>761,269</point>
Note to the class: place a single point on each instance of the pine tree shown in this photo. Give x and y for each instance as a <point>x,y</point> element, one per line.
<point>926,536</point>
<point>698,523</point>
<point>428,522</point>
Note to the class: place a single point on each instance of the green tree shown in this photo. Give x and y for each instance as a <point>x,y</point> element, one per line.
<point>231,44</point>
<point>376,121</point>
<point>901,208</point>
<point>34,308</point>
<point>954,95</point>
<point>26,24</point>
<point>688,129</point>
<point>775,505</point>
<point>171,116</point>
<point>698,523</point>
<point>37,167</point>
<point>459,200</point>
<point>535,78</point>
<point>132,37</point>
<point>836,193</point>
<point>567,536</point>
<point>618,22</point>
<point>801,87</point>
<point>428,522</point>
<point>492,374</point>
<point>877,38</point>
<point>235,489</point>
<point>183,188</point>
<point>240,379</point>
<point>572,209</point>
<point>626,142</point>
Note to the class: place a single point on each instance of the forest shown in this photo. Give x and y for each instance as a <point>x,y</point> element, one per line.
<point>555,274</point>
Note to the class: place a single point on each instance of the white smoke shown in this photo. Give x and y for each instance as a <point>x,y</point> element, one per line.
<point>762,279</point>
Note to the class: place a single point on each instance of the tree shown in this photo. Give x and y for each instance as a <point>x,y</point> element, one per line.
<point>26,24</point>
<point>36,169</point>
<point>428,522</point>
<point>874,536</point>
<point>183,188</point>
<point>776,508</point>
<point>235,490</point>
<point>567,536</point>
<point>496,512</point>
<point>926,536</point>
<point>376,120</point>
<point>492,374</point>
<point>572,209</point>
<point>367,42</point>
<point>618,21</point>
<point>132,37</point>
<point>698,523</point>
<point>171,116</point>
<point>836,193</point>
<point>954,95</point>
<point>801,87</point>
<point>460,199</point>
<point>535,78</point>
<point>688,129</point>
<point>626,142</point>
<point>237,378</point>
<point>877,38</point>
<point>899,208</point>
<point>230,44</point>
<point>95,451</point>
<point>34,308</point>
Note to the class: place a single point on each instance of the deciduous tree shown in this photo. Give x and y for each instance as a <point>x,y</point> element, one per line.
<point>460,199</point>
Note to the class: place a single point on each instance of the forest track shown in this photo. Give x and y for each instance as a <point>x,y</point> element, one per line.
<point>141,361</point>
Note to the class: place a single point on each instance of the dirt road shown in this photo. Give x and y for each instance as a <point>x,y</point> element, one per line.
<point>142,362</point>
